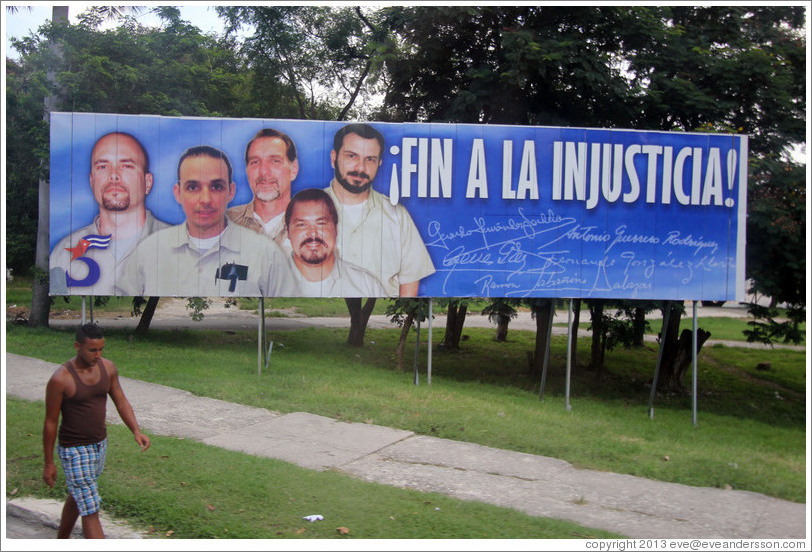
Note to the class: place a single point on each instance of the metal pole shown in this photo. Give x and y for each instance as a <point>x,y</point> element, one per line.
<point>259,335</point>
<point>666,318</point>
<point>91,309</point>
<point>83,310</point>
<point>694,374</point>
<point>569,359</point>
<point>428,360</point>
<point>547,351</point>
<point>417,353</point>
<point>264,333</point>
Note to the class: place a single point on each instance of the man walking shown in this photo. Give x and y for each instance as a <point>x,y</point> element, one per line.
<point>78,391</point>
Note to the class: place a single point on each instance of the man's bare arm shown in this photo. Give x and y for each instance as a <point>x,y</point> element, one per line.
<point>125,409</point>
<point>54,392</point>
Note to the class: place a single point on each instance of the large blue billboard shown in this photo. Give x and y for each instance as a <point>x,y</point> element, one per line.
<point>178,206</point>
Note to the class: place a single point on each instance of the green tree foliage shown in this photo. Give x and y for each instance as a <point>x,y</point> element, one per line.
<point>676,68</point>
<point>26,155</point>
<point>501,311</point>
<point>307,62</point>
<point>776,254</point>
<point>509,65</point>
<point>174,70</point>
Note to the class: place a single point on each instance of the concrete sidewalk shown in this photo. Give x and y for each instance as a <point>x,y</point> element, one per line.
<point>536,485</point>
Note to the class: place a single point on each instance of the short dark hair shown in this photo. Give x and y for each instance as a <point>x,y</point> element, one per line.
<point>207,151</point>
<point>361,129</point>
<point>128,135</point>
<point>311,194</point>
<point>88,331</point>
<point>290,147</point>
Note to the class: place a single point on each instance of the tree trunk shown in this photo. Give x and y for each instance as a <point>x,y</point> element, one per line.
<point>40,301</point>
<point>639,325</point>
<point>404,333</point>
<point>542,314</point>
<point>455,320</point>
<point>676,365</point>
<point>502,323</point>
<point>146,316</point>
<point>359,317</point>
<point>576,320</point>
<point>670,334</point>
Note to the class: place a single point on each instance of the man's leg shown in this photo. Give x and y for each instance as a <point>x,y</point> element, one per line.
<point>82,466</point>
<point>69,514</point>
<point>91,526</point>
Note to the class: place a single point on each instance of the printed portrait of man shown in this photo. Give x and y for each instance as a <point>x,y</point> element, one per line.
<point>90,258</point>
<point>206,255</point>
<point>311,220</point>
<point>372,233</point>
<point>271,165</point>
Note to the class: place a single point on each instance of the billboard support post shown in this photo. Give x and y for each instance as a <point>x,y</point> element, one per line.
<point>428,356</point>
<point>417,353</point>
<point>260,335</point>
<point>694,379</point>
<point>547,350</point>
<point>569,358</point>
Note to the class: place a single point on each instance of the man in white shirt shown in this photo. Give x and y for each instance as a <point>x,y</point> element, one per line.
<point>271,164</point>
<point>205,255</point>
<point>373,233</point>
<point>89,259</point>
<point>311,220</point>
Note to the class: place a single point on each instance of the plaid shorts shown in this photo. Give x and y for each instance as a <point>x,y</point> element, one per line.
<point>83,465</point>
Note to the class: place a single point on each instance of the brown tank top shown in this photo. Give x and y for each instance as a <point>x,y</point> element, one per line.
<point>83,414</point>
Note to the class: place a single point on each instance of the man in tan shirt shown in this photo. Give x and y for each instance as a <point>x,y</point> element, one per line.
<point>271,164</point>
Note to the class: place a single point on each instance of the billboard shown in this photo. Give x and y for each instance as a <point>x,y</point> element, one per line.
<point>180,206</point>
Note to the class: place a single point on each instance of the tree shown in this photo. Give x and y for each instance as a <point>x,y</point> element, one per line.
<point>676,353</point>
<point>404,312</point>
<point>776,227</point>
<point>741,69</point>
<point>40,302</point>
<point>542,311</point>
<point>24,122</point>
<point>456,310</point>
<point>307,62</point>
<point>360,310</point>
<point>675,68</point>
<point>501,311</point>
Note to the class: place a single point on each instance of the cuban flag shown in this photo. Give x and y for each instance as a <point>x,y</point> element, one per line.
<point>88,242</point>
